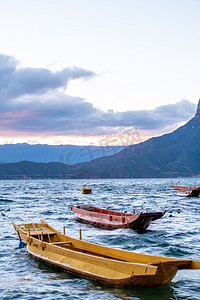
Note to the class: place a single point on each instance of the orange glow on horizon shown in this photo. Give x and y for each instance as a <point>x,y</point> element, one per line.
<point>126,137</point>
<point>123,138</point>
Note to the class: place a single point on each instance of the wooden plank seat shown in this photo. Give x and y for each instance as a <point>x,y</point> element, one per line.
<point>36,230</point>
<point>61,243</point>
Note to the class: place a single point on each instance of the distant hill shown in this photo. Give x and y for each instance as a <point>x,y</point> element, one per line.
<point>68,154</point>
<point>176,154</point>
<point>29,170</point>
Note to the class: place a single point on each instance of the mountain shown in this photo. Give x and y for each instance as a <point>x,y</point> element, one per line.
<point>29,170</point>
<point>176,154</point>
<point>68,154</point>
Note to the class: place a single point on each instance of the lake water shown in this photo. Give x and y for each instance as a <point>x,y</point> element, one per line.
<point>176,234</point>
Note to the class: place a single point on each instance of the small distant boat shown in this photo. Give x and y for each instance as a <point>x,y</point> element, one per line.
<point>108,265</point>
<point>113,219</point>
<point>86,190</point>
<point>187,191</point>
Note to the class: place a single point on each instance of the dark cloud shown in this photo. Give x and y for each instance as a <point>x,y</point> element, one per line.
<point>37,106</point>
<point>16,81</point>
<point>59,114</point>
<point>158,118</point>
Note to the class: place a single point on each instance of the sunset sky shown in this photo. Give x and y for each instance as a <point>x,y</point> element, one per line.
<point>86,71</point>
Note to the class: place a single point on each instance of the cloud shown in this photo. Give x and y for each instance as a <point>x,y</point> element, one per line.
<point>34,102</point>
<point>16,81</point>
<point>158,118</point>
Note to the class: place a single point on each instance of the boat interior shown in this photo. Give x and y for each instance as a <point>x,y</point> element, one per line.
<point>43,233</point>
<point>91,208</point>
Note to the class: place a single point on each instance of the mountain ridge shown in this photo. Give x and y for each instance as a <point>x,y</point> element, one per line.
<point>43,153</point>
<point>175,154</point>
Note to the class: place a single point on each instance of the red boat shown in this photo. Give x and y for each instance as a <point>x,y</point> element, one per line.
<point>113,219</point>
<point>187,191</point>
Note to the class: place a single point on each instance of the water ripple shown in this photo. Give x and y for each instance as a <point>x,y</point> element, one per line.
<point>176,234</point>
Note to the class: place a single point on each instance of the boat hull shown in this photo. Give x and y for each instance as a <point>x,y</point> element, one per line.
<point>162,277</point>
<point>187,191</point>
<point>114,220</point>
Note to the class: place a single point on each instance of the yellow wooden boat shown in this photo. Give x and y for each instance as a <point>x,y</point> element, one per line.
<point>109,265</point>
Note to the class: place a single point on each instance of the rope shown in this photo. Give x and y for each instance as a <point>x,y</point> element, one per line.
<point>39,235</point>
<point>36,230</point>
<point>169,282</point>
<point>46,232</point>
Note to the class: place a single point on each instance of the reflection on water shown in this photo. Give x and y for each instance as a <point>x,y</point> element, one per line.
<point>176,234</point>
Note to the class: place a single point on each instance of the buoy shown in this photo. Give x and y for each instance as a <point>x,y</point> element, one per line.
<point>86,191</point>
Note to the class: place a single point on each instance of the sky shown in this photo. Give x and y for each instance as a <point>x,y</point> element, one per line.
<point>97,72</point>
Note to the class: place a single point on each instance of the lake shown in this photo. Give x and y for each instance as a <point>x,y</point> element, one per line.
<point>177,234</point>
